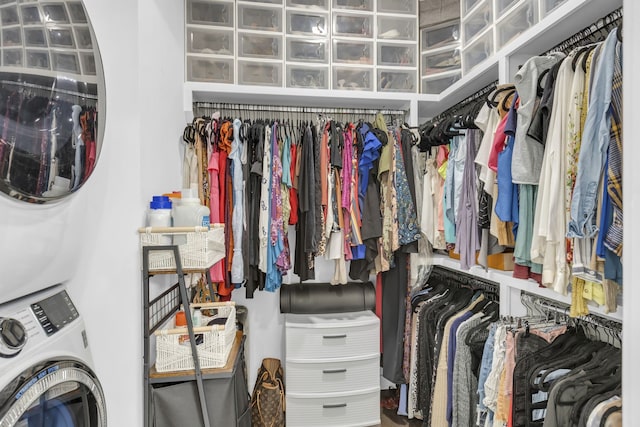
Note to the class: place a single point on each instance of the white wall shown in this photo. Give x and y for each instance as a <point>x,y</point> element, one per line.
<point>107,286</point>
<point>141,45</point>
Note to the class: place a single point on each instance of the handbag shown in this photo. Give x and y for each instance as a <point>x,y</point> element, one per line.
<point>268,398</point>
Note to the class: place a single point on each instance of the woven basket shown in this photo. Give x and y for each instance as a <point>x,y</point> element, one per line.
<point>199,247</point>
<point>173,349</point>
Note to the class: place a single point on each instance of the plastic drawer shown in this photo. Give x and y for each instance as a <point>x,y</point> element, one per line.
<point>61,37</point>
<point>397,28</point>
<point>518,21</point>
<point>12,57</point>
<point>396,80</point>
<point>259,18</point>
<point>320,339</point>
<point>251,45</point>
<point>440,62</point>
<point>440,35</point>
<point>11,37</point>
<point>210,13</point>
<point>334,376</point>
<point>307,50</point>
<point>398,6</point>
<point>30,15</point>
<point>477,22</point>
<point>352,51</point>
<point>309,4</point>
<point>503,6</point>
<point>476,53</point>
<point>209,41</point>
<point>468,5</point>
<point>549,5</point>
<point>265,1</point>
<point>260,73</point>
<point>363,5</point>
<point>88,62</point>
<point>352,78</point>
<point>397,54</point>
<point>9,16</point>
<point>309,77</point>
<point>83,37</point>
<point>202,69</point>
<point>307,23</point>
<point>66,62</point>
<point>40,59</point>
<point>352,410</point>
<point>352,25</point>
<point>439,84</point>
<point>34,37</point>
<point>55,13</point>
<point>76,11</point>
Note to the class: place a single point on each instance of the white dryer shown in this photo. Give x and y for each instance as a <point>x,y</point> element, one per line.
<point>46,374</point>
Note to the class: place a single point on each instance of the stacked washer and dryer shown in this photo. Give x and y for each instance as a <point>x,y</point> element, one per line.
<point>46,374</point>
<point>49,145</point>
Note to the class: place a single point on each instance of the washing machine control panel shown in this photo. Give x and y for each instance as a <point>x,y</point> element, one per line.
<point>55,312</point>
<point>13,336</point>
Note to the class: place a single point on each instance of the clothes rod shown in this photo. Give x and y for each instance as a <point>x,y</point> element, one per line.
<point>53,90</point>
<point>563,309</point>
<point>608,22</point>
<point>292,109</point>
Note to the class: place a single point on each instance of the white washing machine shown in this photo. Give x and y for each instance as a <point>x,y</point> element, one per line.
<point>46,374</point>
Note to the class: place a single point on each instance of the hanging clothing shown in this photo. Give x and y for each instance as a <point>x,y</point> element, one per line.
<point>527,152</point>
<point>595,143</point>
<point>237,263</point>
<point>467,233</point>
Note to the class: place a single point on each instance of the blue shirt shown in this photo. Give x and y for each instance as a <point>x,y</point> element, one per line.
<point>507,207</point>
<point>595,144</point>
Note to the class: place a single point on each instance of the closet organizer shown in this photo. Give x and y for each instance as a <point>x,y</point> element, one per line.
<point>279,112</point>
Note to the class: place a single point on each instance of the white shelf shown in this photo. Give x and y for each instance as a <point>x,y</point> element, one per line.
<point>506,279</point>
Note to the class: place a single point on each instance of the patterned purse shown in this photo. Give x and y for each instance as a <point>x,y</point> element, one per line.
<point>268,399</point>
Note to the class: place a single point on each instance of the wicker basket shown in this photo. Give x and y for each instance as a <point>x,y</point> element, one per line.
<point>199,247</point>
<point>173,349</point>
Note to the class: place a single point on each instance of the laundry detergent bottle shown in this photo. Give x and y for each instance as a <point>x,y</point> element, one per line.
<point>188,212</point>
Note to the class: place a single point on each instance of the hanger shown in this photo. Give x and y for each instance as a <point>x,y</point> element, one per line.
<point>492,103</point>
<point>619,33</point>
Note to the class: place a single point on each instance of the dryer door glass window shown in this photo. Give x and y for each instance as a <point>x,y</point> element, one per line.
<point>62,394</point>
<point>52,99</point>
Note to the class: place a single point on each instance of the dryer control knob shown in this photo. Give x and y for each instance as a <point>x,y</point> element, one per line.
<point>13,337</point>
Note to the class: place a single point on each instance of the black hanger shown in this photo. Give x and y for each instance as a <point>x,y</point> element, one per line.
<point>540,77</point>
<point>505,100</point>
<point>492,103</point>
<point>619,33</point>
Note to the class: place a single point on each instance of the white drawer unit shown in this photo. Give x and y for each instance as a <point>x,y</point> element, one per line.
<point>332,369</point>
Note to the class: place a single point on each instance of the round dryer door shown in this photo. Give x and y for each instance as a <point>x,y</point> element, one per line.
<point>56,393</point>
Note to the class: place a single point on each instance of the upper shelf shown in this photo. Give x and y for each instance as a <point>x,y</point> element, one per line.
<point>560,24</point>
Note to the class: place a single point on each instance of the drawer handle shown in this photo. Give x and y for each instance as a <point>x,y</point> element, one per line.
<point>334,371</point>
<point>327,337</point>
<point>335,406</point>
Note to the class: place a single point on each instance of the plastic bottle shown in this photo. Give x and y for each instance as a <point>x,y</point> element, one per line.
<point>196,318</point>
<point>159,214</point>
<point>189,213</point>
